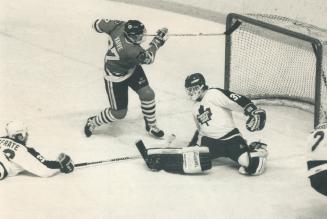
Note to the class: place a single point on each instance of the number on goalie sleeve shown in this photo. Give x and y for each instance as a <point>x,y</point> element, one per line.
<point>317,159</point>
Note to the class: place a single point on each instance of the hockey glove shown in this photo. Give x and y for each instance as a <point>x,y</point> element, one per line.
<point>257,118</point>
<point>160,39</point>
<point>66,163</point>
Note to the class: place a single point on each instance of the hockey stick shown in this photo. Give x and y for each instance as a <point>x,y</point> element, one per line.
<point>190,34</point>
<point>227,32</point>
<point>140,146</point>
<point>113,160</point>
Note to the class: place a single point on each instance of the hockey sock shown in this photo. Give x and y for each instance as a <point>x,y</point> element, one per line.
<point>149,111</point>
<point>104,117</point>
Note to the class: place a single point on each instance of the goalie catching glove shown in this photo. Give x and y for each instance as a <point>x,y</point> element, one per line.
<point>176,160</point>
<point>66,163</point>
<point>257,118</point>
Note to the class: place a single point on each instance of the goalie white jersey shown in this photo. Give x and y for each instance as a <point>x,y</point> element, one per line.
<point>213,114</point>
<point>317,158</point>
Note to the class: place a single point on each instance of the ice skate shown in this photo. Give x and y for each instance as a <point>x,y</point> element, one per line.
<point>89,126</point>
<point>153,130</point>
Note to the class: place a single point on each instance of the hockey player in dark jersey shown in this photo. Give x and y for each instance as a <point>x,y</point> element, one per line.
<point>16,157</point>
<point>122,69</point>
<point>216,132</point>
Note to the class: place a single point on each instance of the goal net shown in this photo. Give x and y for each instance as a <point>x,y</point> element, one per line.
<point>277,58</point>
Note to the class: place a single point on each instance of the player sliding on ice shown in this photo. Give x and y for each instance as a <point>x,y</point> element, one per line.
<point>123,69</point>
<point>16,157</point>
<point>216,134</point>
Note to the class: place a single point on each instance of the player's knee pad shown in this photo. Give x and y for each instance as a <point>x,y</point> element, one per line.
<point>3,171</point>
<point>146,93</point>
<point>179,160</point>
<point>256,159</point>
<point>118,114</point>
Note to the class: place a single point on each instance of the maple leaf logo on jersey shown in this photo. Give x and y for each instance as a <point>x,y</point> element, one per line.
<point>204,115</point>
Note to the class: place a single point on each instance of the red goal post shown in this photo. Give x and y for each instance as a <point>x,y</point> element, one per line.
<point>269,57</point>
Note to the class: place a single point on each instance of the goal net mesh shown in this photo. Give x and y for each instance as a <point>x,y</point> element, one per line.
<point>278,58</point>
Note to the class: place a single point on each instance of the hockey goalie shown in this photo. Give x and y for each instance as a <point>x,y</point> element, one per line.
<point>216,134</point>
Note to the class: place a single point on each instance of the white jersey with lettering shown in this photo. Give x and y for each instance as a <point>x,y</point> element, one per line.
<point>17,158</point>
<point>213,114</point>
<point>317,150</point>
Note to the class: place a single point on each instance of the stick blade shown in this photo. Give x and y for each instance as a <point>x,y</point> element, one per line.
<point>141,148</point>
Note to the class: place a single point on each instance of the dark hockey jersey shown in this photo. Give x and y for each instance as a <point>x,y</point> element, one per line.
<point>122,56</point>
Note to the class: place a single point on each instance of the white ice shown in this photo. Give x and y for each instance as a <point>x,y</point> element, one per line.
<point>51,77</point>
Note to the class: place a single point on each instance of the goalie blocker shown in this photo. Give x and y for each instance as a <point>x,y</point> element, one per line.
<point>187,160</point>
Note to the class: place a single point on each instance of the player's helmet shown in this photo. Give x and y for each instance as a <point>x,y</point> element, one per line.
<point>18,131</point>
<point>134,31</point>
<point>195,85</point>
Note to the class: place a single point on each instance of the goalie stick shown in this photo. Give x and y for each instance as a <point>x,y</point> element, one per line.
<point>142,149</point>
<point>140,146</point>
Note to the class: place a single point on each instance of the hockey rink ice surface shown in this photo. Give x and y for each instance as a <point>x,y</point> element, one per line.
<point>51,78</point>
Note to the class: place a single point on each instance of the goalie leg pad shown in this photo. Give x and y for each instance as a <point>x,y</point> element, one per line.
<point>181,160</point>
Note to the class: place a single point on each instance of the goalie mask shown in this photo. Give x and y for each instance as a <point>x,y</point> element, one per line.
<point>134,31</point>
<point>17,131</point>
<point>195,86</point>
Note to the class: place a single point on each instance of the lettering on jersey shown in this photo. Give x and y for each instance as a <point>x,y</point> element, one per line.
<point>318,136</point>
<point>9,144</point>
<point>119,45</point>
<point>204,115</point>
<point>9,147</point>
